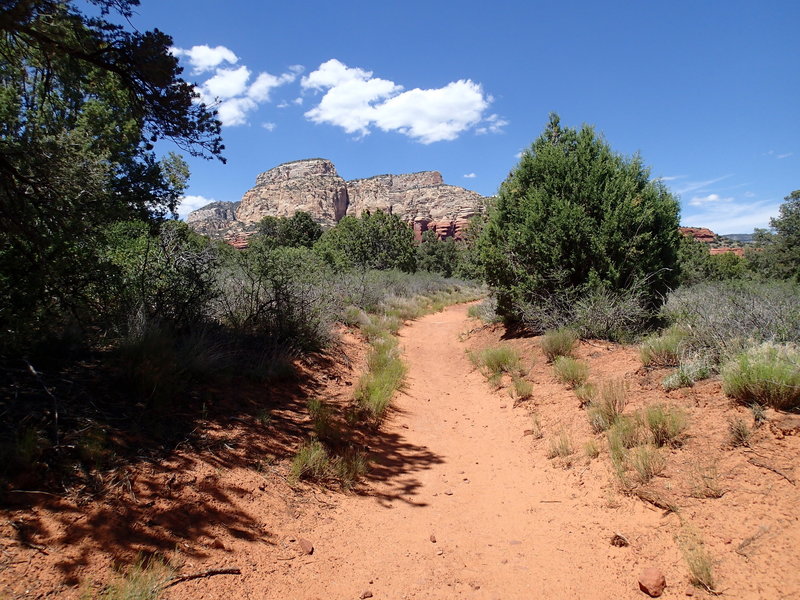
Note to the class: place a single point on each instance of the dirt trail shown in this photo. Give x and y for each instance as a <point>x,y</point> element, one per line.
<point>456,507</point>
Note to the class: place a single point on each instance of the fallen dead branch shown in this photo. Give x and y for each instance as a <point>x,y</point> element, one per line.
<point>201,575</point>
<point>764,465</point>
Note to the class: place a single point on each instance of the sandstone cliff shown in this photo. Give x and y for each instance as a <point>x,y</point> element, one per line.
<point>421,199</point>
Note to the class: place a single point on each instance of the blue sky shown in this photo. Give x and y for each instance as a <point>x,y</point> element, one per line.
<point>706,91</point>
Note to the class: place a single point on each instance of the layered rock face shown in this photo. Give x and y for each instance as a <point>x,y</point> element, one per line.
<point>313,186</point>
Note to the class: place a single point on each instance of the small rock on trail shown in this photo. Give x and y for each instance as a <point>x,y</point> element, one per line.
<point>652,582</point>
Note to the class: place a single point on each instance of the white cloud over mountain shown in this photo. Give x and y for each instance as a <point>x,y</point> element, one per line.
<point>231,90</point>
<point>189,203</point>
<point>358,102</point>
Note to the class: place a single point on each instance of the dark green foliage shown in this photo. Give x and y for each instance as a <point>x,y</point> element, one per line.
<point>82,101</point>
<point>299,230</point>
<point>697,264</point>
<point>574,216</point>
<point>373,241</point>
<point>778,253</point>
<point>437,256</point>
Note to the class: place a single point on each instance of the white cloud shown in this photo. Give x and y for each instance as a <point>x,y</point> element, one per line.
<point>260,89</point>
<point>226,83</point>
<point>298,101</point>
<point>356,101</point>
<point>698,186</point>
<point>204,58</point>
<point>669,177</point>
<point>269,126</point>
<point>781,156</point>
<point>190,203</point>
<point>733,217</point>
<point>492,124</point>
<point>519,154</point>
<point>709,199</point>
<point>470,176</point>
<point>234,111</point>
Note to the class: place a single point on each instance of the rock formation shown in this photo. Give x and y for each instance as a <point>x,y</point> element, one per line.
<point>421,199</point>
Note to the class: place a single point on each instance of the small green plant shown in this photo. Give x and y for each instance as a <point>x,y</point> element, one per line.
<point>739,432</point>
<point>586,393</point>
<point>350,467</point>
<point>687,374</point>
<point>523,389</point>
<point>665,423</point>
<point>570,371</point>
<point>311,462</point>
<point>558,342</point>
<point>768,374</point>
<point>143,580</point>
<point>610,403</point>
<point>264,417</point>
<point>536,427</point>
<point>560,446</point>
<point>647,461</point>
<point>486,311</point>
<point>378,327</point>
<point>663,350</point>
<point>498,360</point>
<point>701,566</point>
<point>706,483</point>
<point>321,417</point>
<point>591,449</point>
<point>385,375</point>
<point>623,434</point>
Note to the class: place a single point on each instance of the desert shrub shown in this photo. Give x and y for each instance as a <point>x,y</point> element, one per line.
<point>690,371</point>
<point>558,342</point>
<point>321,418</point>
<point>616,315</point>
<point>647,462</point>
<point>724,317</point>
<point>143,580</point>
<point>437,255</point>
<point>311,462</point>
<point>586,393</point>
<point>666,424</point>
<point>299,230</point>
<point>523,389</point>
<point>384,376</point>
<point>608,406</point>
<point>350,467</point>
<point>19,450</point>
<point>574,216</point>
<point>380,326</point>
<point>739,432</point>
<point>560,446</point>
<point>536,427</point>
<point>591,449</point>
<point>768,374</point>
<point>624,434</point>
<point>701,566</point>
<point>570,371</point>
<point>663,350</point>
<point>486,311</point>
<point>494,362</point>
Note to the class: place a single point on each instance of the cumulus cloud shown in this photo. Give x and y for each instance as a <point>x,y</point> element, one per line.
<point>190,203</point>
<point>204,58</point>
<point>492,124</point>
<point>709,199</point>
<point>470,176</point>
<point>269,126</point>
<point>358,102</point>
<point>232,91</point>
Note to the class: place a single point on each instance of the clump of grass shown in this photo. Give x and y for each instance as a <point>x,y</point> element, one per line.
<point>663,350</point>
<point>321,417</point>
<point>623,434</point>
<point>610,403</point>
<point>350,467</point>
<point>143,580</point>
<point>768,374</point>
<point>494,362</point>
<point>264,417</point>
<point>591,449</point>
<point>570,371</point>
<point>665,423</point>
<point>739,432</point>
<point>706,483</point>
<point>486,311</point>
<point>558,342</point>
<point>311,462</point>
<point>701,566</point>
<point>586,393</point>
<point>759,414</point>
<point>687,374</point>
<point>536,427</point>
<point>378,327</point>
<point>560,446</point>
<point>647,461</point>
<point>385,375</point>
<point>523,389</point>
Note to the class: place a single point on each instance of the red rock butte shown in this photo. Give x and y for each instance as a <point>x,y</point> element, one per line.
<point>421,199</point>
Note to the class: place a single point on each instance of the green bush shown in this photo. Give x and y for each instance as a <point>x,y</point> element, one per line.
<point>311,462</point>
<point>666,424</point>
<point>494,362</point>
<point>586,393</point>
<point>689,372</point>
<point>574,216</point>
<point>768,374</point>
<point>570,371</point>
<point>611,401</point>
<point>663,350</point>
<point>385,375</point>
<point>558,342</point>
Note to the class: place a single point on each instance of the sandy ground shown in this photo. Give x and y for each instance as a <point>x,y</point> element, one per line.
<point>460,502</point>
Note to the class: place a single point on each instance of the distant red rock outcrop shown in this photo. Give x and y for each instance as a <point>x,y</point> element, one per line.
<point>701,234</point>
